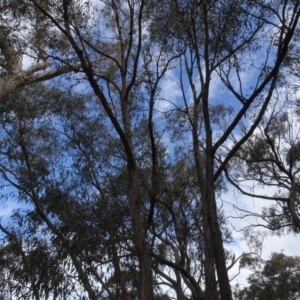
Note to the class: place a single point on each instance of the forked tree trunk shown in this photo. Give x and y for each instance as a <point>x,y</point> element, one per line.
<point>215,243</point>
<point>209,266</point>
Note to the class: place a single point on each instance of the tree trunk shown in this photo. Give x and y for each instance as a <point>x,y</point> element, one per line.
<point>209,263</point>
<point>209,266</point>
<point>145,272</point>
<point>215,243</point>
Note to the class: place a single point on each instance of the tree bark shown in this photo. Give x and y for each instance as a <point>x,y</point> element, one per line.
<point>209,265</point>
<point>139,238</point>
<point>215,243</point>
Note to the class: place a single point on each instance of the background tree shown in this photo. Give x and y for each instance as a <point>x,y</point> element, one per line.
<point>279,279</point>
<point>28,46</point>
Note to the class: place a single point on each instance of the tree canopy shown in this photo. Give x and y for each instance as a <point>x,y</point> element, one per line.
<point>122,125</point>
<point>279,279</point>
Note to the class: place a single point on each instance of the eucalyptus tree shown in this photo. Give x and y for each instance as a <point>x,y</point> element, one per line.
<point>43,233</point>
<point>63,174</point>
<point>277,279</point>
<point>116,80</point>
<point>243,48</point>
<point>123,53</point>
<point>270,160</point>
<point>72,234</point>
<point>25,47</point>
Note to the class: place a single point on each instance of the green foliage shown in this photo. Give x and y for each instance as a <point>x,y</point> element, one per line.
<point>116,164</point>
<point>278,280</point>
